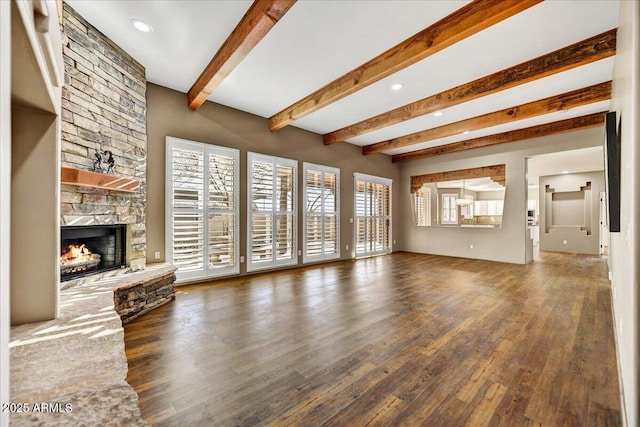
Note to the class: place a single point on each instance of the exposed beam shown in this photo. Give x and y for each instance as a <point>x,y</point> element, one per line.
<point>576,123</point>
<point>578,54</point>
<point>254,25</point>
<point>496,173</point>
<point>576,98</point>
<point>464,22</point>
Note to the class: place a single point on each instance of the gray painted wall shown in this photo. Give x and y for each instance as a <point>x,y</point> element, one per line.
<point>168,115</point>
<point>511,243</point>
<point>570,215</point>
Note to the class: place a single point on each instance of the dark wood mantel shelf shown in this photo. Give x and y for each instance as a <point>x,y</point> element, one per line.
<point>86,178</point>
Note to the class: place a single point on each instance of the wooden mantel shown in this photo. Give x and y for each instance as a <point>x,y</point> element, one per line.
<point>73,176</point>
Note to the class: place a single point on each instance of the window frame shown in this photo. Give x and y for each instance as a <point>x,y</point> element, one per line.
<point>323,170</point>
<point>172,143</point>
<point>449,197</point>
<point>360,177</point>
<point>275,161</point>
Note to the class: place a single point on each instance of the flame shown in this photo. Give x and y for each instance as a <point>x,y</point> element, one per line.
<point>75,254</point>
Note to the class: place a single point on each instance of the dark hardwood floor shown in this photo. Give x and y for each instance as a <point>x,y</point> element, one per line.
<point>403,339</point>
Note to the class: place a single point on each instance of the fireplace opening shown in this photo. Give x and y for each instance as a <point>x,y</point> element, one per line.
<point>91,249</point>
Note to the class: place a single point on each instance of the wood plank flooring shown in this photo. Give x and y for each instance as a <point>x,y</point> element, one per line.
<point>403,339</point>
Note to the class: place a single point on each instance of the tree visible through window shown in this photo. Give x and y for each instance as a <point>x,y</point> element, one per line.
<point>202,209</point>
<point>321,215</point>
<point>272,212</point>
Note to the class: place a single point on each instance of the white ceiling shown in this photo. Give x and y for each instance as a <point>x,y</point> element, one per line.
<point>319,40</point>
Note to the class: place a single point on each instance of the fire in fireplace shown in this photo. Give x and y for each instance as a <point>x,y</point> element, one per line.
<point>91,249</point>
<point>78,259</point>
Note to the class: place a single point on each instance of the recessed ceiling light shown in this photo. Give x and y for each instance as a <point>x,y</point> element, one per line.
<point>396,86</point>
<point>438,114</point>
<point>565,171</point>
<point>466,132</point>
<point>141,26</point>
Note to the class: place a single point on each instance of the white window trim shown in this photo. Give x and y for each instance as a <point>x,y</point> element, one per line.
<point>375,180</point>
<point>251,266</point>
<point>206,149</point>
<point>453,196</point>
<point>324,169</point>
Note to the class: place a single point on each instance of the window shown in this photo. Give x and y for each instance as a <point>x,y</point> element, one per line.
<point>272,212</point>
<point>202,209</point>
<point>449,208</point>
<point>373,215</point>
<point>321,213</point>
<point>422,207</point>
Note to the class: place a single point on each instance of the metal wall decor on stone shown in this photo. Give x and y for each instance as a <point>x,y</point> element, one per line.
<point>104,157</point>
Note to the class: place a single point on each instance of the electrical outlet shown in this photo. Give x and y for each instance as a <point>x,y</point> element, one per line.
<point>346,247</point>
<point>299,253</point>
<point>394,242</point>
<point>156,255</point>
<point>241,259</point>
<point>351,220</point>
<point>471,246</point>
<point>564,242</point>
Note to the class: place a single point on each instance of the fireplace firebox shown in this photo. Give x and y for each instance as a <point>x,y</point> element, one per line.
<point>91,249</point>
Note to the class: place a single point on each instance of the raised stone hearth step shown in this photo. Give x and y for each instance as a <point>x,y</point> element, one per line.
<point>134,299</point>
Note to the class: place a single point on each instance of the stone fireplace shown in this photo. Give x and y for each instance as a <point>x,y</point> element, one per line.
<point>103,110</point>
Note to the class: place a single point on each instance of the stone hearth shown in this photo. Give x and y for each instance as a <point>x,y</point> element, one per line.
<point>79,358</point>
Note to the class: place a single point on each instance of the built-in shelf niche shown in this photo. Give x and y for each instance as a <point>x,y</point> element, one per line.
<point>568,209</point>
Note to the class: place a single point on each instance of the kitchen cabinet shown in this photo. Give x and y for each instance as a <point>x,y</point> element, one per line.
<point>488,207</point>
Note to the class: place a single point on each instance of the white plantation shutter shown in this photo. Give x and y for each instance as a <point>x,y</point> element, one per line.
<point>321,215</point>
<point>373,215</point>
<point>272,215</point>
<point>186,203</point>
<point>449,209</point>
<point>202,209</point>
<point>422,207</point>
<point>222,209</point>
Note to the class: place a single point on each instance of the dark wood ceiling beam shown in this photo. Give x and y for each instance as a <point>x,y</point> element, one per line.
<point>568,125</point>
<point>464,22</point>
<point>587,51</point>
<point>496,173</point>
<point>576,98</point>
<point>261,17</point>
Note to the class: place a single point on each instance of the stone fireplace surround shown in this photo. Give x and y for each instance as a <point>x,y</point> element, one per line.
<point>103,108</point>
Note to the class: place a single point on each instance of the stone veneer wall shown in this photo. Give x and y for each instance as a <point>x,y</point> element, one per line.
<point>134,299</point>
<point>103,107</point>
